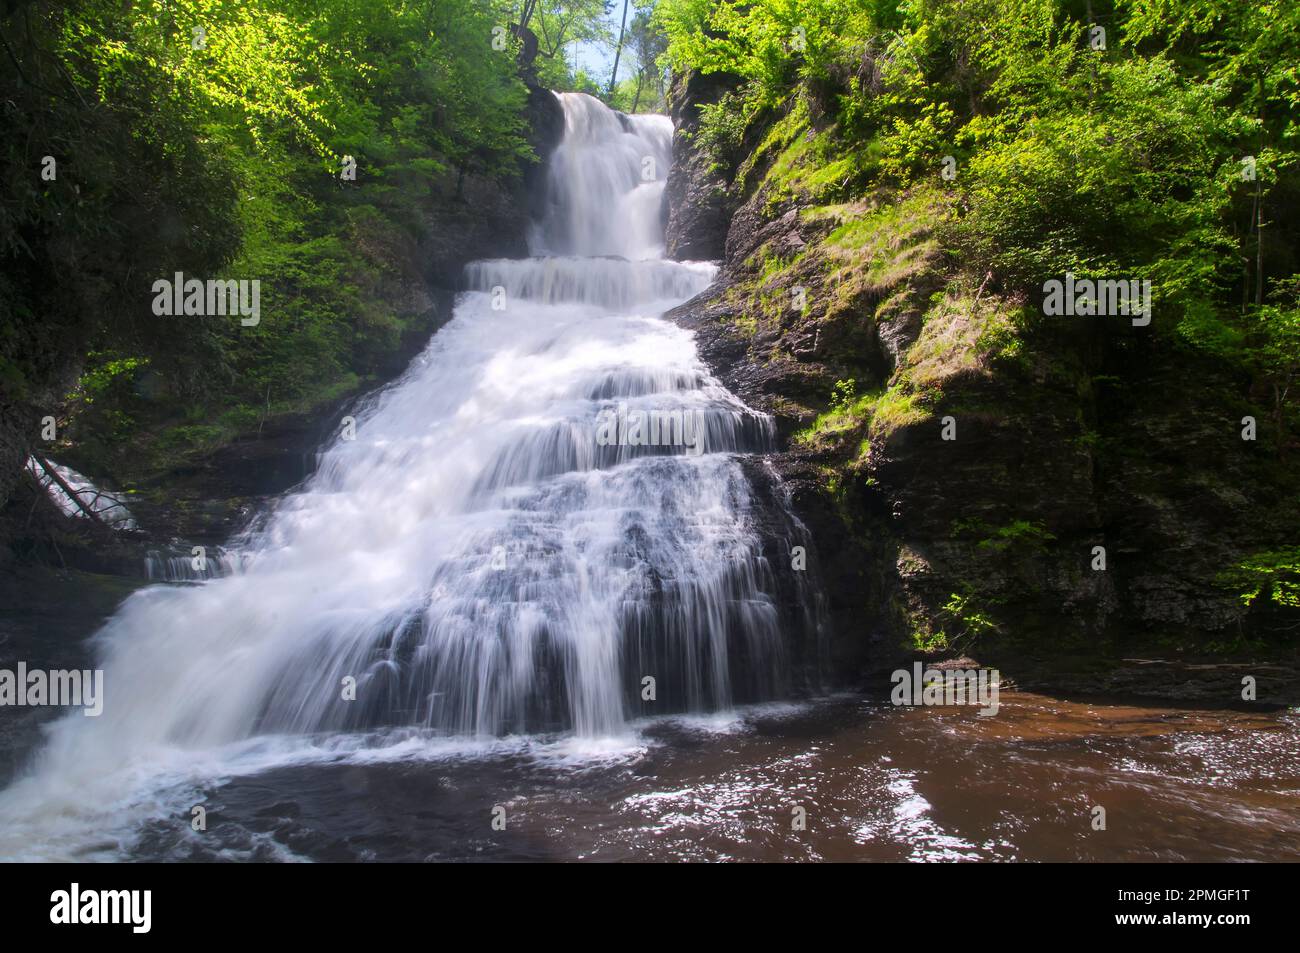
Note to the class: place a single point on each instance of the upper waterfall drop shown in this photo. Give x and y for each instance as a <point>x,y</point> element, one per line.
<point>605,183</point>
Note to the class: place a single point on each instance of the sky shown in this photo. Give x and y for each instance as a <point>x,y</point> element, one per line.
<point>596,58</point>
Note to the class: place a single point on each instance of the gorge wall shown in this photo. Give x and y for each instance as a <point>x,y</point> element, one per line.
<point>858,330</point>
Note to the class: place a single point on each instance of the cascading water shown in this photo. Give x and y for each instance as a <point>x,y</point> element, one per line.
<point>478,560</point>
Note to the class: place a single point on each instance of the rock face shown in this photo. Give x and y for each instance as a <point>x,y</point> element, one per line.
<point>545,118</point>
<point>964,479</point>
<point>695,197</point>
<point>483,219</point>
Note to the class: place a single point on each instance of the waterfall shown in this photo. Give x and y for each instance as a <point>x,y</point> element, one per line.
<point>505,544</point>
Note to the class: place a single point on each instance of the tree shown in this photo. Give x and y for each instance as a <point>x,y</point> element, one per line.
<point>558,24</point>
<point>1275,351</point>
<point>207,137</point>
<point>648,43</point>
<point>1250,51</point>
<point>618,51</point>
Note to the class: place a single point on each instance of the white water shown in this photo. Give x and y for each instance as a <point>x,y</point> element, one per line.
<point>474,559</point>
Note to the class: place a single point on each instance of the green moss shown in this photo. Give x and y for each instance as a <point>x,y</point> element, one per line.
<point>892,222</point>
<point>1020,535</point>
<point>871,416</point>
<point>896,407</point>
<point>746,322</point>
<point>774,267</point>
<point>810,166</point>
<point>848,412</point>
<point>779,139</point>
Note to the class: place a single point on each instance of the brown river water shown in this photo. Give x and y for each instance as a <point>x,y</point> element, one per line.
<point>875,782</point>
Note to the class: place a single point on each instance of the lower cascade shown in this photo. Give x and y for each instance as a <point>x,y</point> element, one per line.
<point>492,551</point>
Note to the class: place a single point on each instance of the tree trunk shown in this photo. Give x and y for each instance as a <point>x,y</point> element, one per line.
<point>526,13</point>
<point>1259,206</point>
<point>618,50</point>
<point>70,493</point>
<point>640,82</point>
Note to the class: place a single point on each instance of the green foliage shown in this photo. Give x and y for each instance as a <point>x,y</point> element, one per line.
<point>208,137</point>
<point>872,416</point>
<point>558,24</point>
<point>1275,575</point>
<point>642,85</point>
<point>1274,352</point>
<point>722,127</point>
<point>844,393</point>
<point>1018,534</point>
<point>971,621</point>
<point>927,641</point>
<point>771,45</point>
<point>1249,49</point>
<point>1125,161</point>
<point>1022,537</point>
<point>103,373</point>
